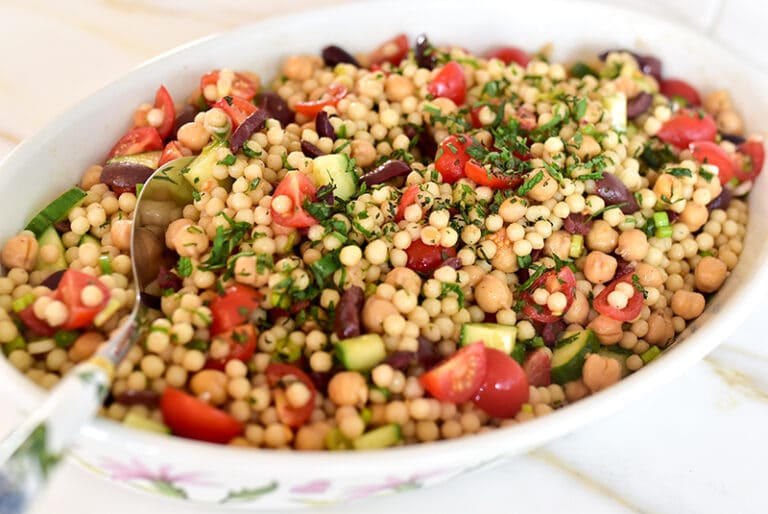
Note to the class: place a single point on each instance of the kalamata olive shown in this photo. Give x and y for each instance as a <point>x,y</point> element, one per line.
<point>400,360</point>
<point>423,53</point>
<point>427,355</point>
<point>386,171</point>
<point>251,124</point>
<point>722,201</point>
<point>63,226</point>
<point>613,191</point>
<point>639,104</point>
<point>320,380</point>
<point>323,126</point>
<point>622,267</point>
<point>577,223</point>
<point>144,397</point>
<point>347,322</point>
<point>424,140</point>
<point>673,216</point>
<point>550,331</point>
<point>276,108</point>
<point>333,55</point>
<point>733,138</point>
<point>648,64</point>
<point>452,262</point>
<point>167,279</point>
<point>123,176</point>
<point>52,280</point>
<point>310,150</point>
<point>186,115</point>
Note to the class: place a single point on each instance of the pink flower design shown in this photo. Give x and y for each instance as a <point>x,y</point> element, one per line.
<point>313,487</point>
<point>391,485</point>
<point>136,470</point>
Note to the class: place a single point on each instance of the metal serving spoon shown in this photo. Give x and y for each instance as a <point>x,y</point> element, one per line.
<point>30,451</point>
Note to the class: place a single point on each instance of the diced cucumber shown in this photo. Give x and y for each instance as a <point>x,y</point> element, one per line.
<point>88,238</point>
<point>173,190</point>
<point>200,171</point>
<point>616,105</point>
<point>112,306</point>
<point>361,353</point>
<point>650,354</point>
<point>148,159</point>
<point>17,343</point>
<point>382,437</point>
<point>50,237</point>
<point>617,353</point>
<point>335,440</point>
<point>134,420</point>
<point>65,338</point>
<point>55,211</point>
<point>22,302</point>
<point>570,352</point>
<point>493,335</point>
<point>335,169</point>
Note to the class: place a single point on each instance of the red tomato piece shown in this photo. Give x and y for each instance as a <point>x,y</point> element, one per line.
<point>68,292</point>
<point>426,258</point>
<point>628,313</point>
<point>137,140</point>
<point>233,307</point>
<point>410,197</point>
<point>553,281</point>
<point>509,54</point>
<point>676,87</point>
<point>505,387</point>
<point>451,157</point>
<point>190,417</point>
<point>538,367</point>
<point>35,324</point>
<point>482,177</point>
<point>172,151</point>
<point>279,374</point>
<point>242,344</point>
<point>311,107</point>
<point>392,51</point>
<point>298,188</point>
<point>242,86</point>
<point>707,152</point>
<point>449,83</point>
<point>688,126</point>
<point>750,164</point>
<point>458,378</point>
<point>236,108</point>
<point>164,102</point>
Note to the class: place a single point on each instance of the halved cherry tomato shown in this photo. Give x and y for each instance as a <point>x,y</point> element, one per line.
<point>310,108</point>
<point>172,151</point>
<point>279,374</point>
<point>164,102</point>
<point>298,187</point>
<point>137,140</point>
<point>628,313</point>
<point>451,157</point>
<point>233,308</point>
<point>458,378</point>
<point>190,417</point>
<point>482,177</point>
<point>505,387</point>
<point>563,281</point>
<point>707,152</point>
<point>410,197</point>
<point>426,258</point>
<point>750,164</point>
<point>68,292</point>
<point>242,344</point>
<point>35,324</point>
<point>392,51</point>
<point>687,126</point>
<point>238,109</point>
<point>538,367</point>
<point>449,83</point>
<point>676,87</point>
<point>509,54</point>
<point>242,86</point>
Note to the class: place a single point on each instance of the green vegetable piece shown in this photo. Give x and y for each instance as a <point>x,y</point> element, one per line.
<point>16,343</point>
<point>660,219</point>
<point>105,263</point>
<point>382,437</point>
<point>55,211</point>
<point>493,335</point>
<point>22,302</point>
<point>335,440</point>
<point>650,354</point>
<point>576,247</point>
<point>65,338</point>
<point>200,171</point>
<point>569,354</point>
<point>335,169</point>
<point>134,420</point>
<point>148,159</point>
<point>50,237</point>
<point>581,70</point>
<point>361,353</point>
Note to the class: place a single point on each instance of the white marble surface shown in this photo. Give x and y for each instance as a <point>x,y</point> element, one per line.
<point>695,446</point>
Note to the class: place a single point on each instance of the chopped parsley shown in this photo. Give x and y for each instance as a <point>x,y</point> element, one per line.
<point>184,267</point>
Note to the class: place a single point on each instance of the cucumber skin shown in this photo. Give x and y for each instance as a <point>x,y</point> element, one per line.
<point>370,346</point>
<point>571,370</point>
<point>44,219</point>
<point>51,237</point>
<point>502,331</point>
<point>382,437</point>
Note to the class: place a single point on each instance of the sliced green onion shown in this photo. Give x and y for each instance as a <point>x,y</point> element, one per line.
<point>576,247</point>
<point>650,354</point>
<point>660,219</point>
<point>663,232</point>
<point>21,303</point>
<point>17,343</point>
<point>65,338</point>
<point>105,264</point>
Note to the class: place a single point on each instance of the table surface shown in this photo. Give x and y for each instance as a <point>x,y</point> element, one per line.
<point>693,446</point>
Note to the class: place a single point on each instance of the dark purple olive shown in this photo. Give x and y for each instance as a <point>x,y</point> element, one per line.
<point>276,108</point>
<point>400,360</point>
<point>167,279</point>
<point>614,192</point>
<point>186,115</point>
<point>423,53</point>
<point>452,262</point>
<point>386,171</point>
<point>427,355</point>
<point>733,138</point>
<point>550,331</point>
<point>52,280</point>
<point>333,55</point>
<point>622,267</point>
<point>673,216</point>
<point>63,226</point>
<point>347,322</point>
<point>123,176</point>
<point>323,126</point>
<point>251,124</point>
<point>648,64</point>
<point>310,150</point>
<point>722,201</point>
<point>144,397</point>
<point>320,380</point>
<point>577,223</point>
<point>639,104</point>
<point>424,140</point>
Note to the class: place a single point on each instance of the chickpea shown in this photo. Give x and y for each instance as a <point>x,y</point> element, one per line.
<point>633,245</point>
<point>348,388</point>
<point>404,278</point>
<point>375,311</point>
<point>299,67</point>
<point>710,274</point>
<point>588,148</point>
<point>559,243</point>
<point>492,295</point>
<point>210,385</point>
<point>649,276</point>
<point>91,177</point>
<point>120,231</point>
<point>694,216</point>
<point>600,372</point>
<point>729,122</point>
<point>505,259</point>
<point>607,330</point>
<point>174,229</point>
<point>474,274</point>
<point>599,267</point>
<point>398,87</point>
<point>545,189</point>
<point>512,209</point>
<point>193,135</point>
<point>20,251</point>
<point>660,329</point>
<point>717,101</point>
<point>191,242</point>
<point>668,188</point>
<point>85,346</point>
<point>579,310</point>
<point>363,152</point>
<point>602,237</point>
<point>575,390</point>
<point>687,304</point>
<point>312,437</point>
